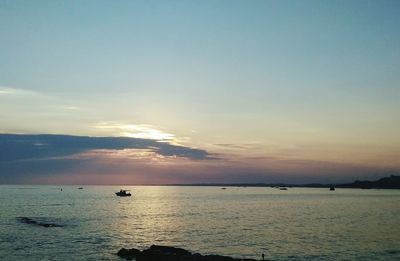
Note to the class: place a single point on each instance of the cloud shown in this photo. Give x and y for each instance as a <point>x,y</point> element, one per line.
<point>18,147</point>
<point>63,159</point>
<point>141,131</point>
<point>245,146</point>
<point>70,108</point>
<point>15,91</point>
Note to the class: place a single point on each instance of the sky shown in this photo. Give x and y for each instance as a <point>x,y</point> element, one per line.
<point>165,92</point>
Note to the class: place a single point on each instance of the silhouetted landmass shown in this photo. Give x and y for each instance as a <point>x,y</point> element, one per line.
<point>167,253</point>
<point>391,182</point>
<point>31,221</point>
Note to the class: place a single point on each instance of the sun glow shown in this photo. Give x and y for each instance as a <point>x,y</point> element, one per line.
<point>141,131</point>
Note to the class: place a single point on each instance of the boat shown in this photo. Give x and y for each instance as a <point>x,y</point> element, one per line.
<point>332,188</point>
<point>283,188</point>
<point>123,193</point>
<point>80,188</point>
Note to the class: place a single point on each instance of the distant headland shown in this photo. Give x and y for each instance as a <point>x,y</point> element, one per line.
<point>391,182</point>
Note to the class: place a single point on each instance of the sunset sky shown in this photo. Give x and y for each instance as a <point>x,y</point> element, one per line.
<point>161,92</point>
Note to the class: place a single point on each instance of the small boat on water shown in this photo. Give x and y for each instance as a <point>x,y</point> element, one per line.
<point>80,188</point>
<point>123,193</point>
<point>282,188</point>
<point>332,188</point>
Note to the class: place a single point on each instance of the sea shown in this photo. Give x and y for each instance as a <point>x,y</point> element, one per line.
<point>242,222</point>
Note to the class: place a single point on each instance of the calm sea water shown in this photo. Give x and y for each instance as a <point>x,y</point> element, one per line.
<point>297,224</point>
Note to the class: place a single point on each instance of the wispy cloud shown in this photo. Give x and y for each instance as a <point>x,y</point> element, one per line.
<point>15,91</point>
<point>70,108</point>
<point>243,146</point>
<point>36,98</point>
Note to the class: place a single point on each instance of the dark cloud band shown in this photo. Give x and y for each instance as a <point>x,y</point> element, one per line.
<point>14,147</point>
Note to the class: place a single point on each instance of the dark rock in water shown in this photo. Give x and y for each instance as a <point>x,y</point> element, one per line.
<point>169,250</point>
<point>167,253</point>
<point>30,221</point>
<point>217,258</point>
<point>164,253</point>
<point>129,254</point>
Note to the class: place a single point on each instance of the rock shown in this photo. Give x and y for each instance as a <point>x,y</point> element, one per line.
<point>217,258</point>
<point>170,250</point>
<point>129,254</point>
<point>164,253</point>
<point>31,221</point>
<point>167,253</point>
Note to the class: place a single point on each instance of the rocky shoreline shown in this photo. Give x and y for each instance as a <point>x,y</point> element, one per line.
<point>167,253</point>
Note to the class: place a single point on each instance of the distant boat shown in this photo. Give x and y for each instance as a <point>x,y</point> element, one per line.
<point>223,188</point>
<point>123,193</point>
<point>80,188</point>
<point>282,188</point>
<point>332,188</point>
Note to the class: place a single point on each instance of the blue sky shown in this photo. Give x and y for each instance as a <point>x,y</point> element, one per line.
<point>304,81</point>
